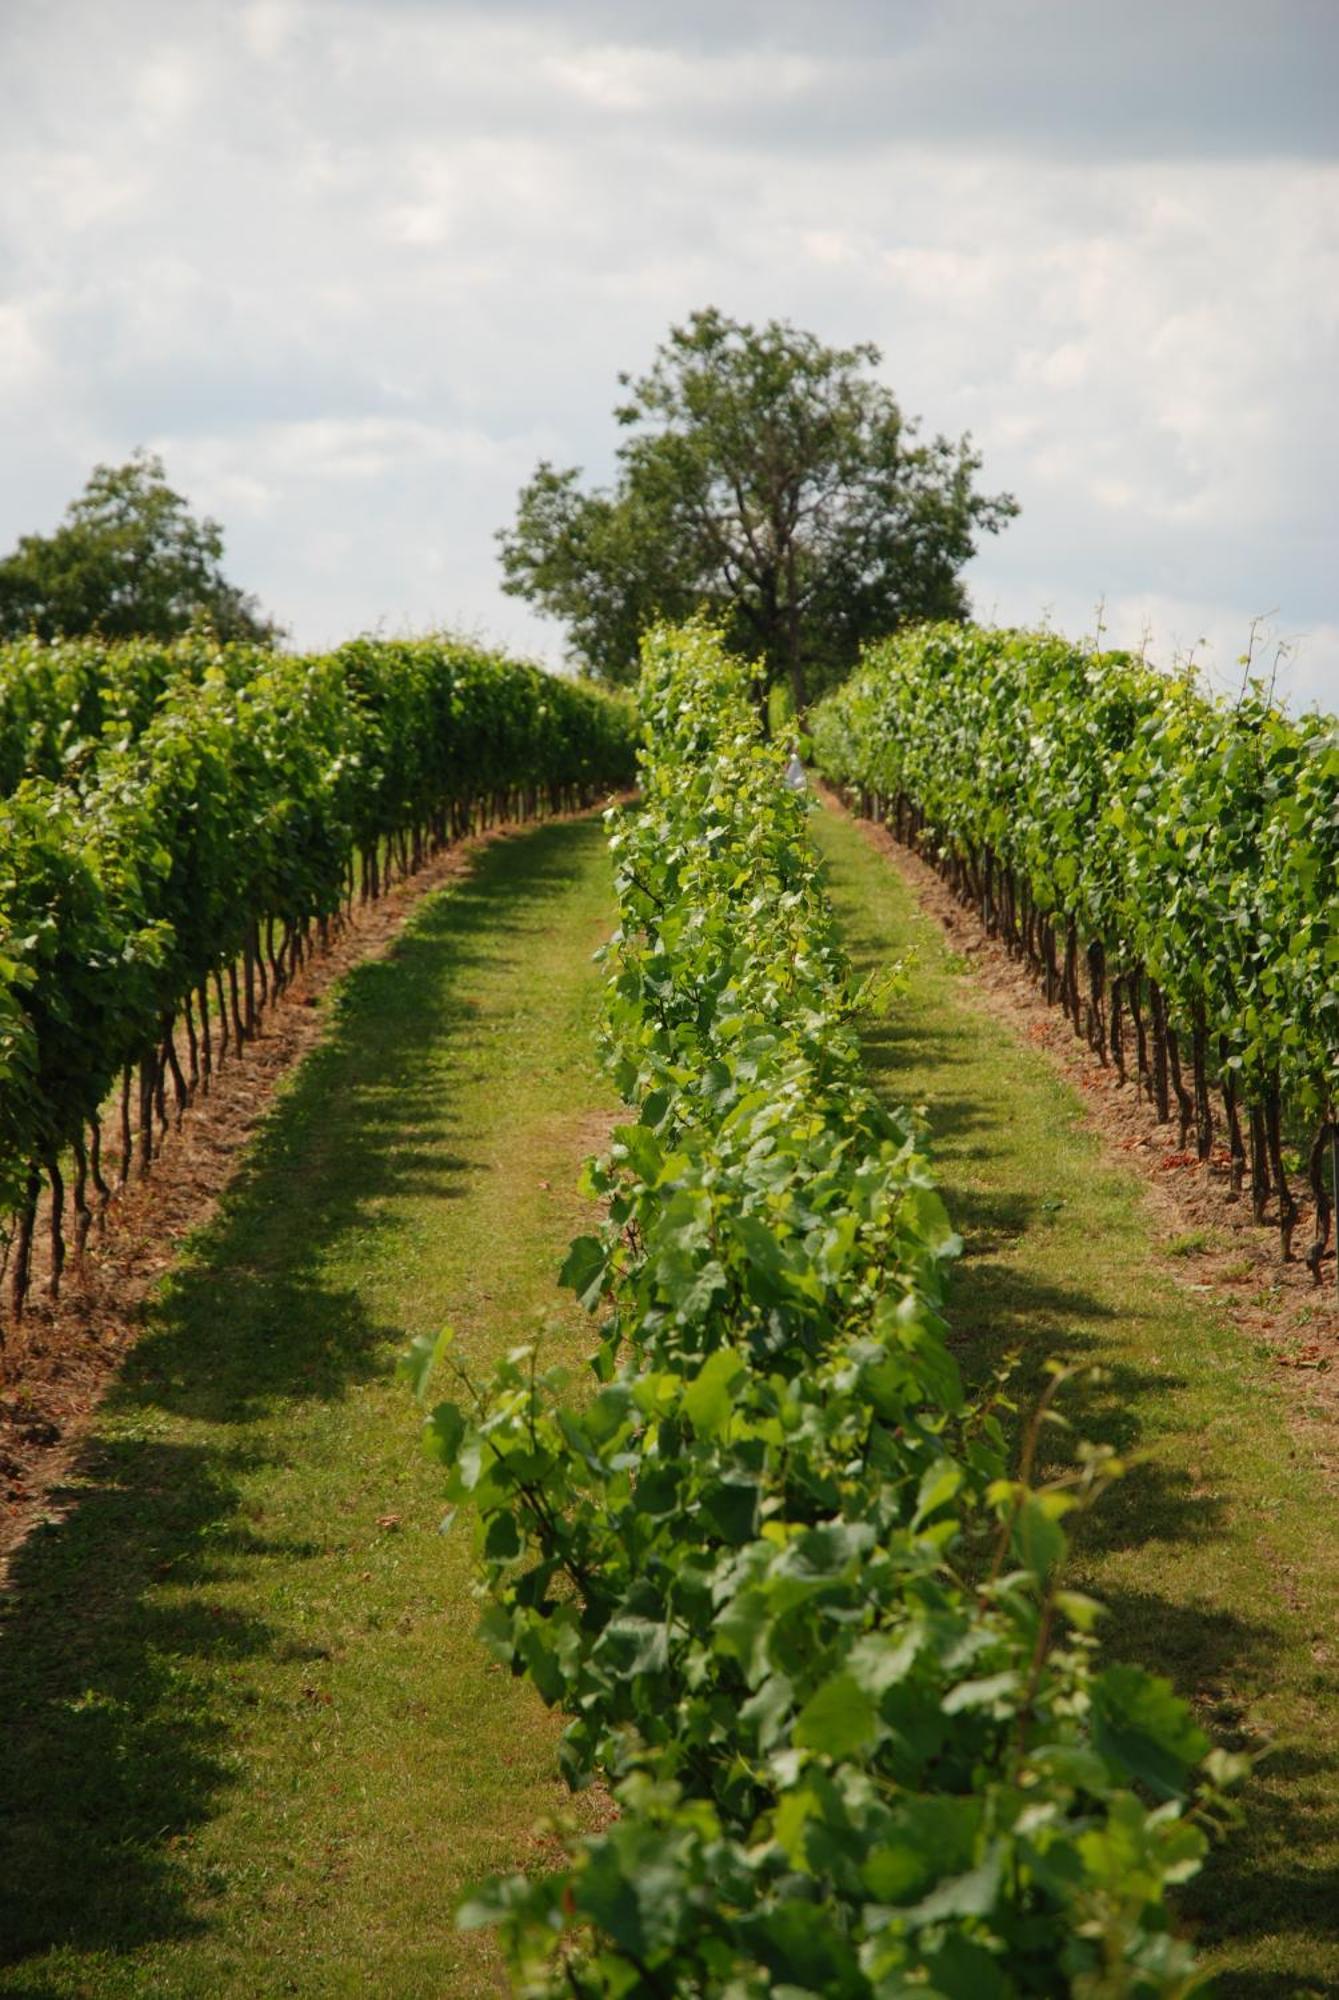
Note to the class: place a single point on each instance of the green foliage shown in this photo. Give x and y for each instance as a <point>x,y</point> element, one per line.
<point>129,560</point>
<point>802,1620</point>
<point>1196,839</point>
<point>61,701</point>
<point>211,790</point>
<point>771,479</point>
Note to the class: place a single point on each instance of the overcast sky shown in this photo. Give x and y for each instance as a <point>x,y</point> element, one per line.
<point>353,266</point>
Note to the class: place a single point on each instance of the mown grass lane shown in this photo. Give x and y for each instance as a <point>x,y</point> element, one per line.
<point>250,1743</point>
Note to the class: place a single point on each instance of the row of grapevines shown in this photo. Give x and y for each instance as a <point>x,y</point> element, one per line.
<point>1166,861</point>
<point>61,701</point>
<point>802,1621</point>
<point>258,795</point>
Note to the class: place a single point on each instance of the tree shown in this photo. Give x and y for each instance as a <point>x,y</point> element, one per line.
<point>774,481</point>
<point>129,560</point>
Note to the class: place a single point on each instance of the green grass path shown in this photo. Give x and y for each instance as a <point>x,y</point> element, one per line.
<point>1219,1553</point>
<point>249,1744</point>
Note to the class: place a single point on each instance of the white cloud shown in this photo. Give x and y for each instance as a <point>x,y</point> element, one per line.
<point>267,27</point>
<point>73,192</point>
<point>354,266</point>
<point>23,358</point>
<point>166,89</point>
<point>608,79</point>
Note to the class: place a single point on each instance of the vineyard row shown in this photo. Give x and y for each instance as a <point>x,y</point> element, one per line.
<point>1166,863</point>
<point>185,823</point>
<point>803,1622</point>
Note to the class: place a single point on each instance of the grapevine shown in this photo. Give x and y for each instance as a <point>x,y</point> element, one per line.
<point>173,850</point>
<point>1164,861</point>
<point>803,1620</point>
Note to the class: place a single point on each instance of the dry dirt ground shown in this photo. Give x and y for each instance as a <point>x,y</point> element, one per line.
<point>56,1363</point>
<point>1217,1247</point>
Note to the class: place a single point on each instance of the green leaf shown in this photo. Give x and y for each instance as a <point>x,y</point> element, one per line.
<point>1038,1539</point>
<point>444,1432</point>
<point>839,1719</point>
<point>583,1270</point>
<point>502,1541</point>
<point>971,1895</point>
<point>880,1660</point>
<point>989,1692</point>
<point>632,1646</point>
<point>799,1941</point>
<point>421,1357</point>
<point>731,1505</point>
<point>925,1212</point>
<point>639,1146</point>
<point>708,1398</point>
<point>1145,1730</point>
<point>768,1711</point>
<point>923,1841</point>
<point>742,1628</point>
<point>632,1887</point>
<point>939,1483</point>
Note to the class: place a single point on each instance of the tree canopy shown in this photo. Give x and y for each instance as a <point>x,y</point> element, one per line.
<point>128,561</point>
<point>770,479</point>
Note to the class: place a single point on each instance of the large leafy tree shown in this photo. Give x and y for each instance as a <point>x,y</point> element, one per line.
<point>128,561</point>
<point>775,481</point>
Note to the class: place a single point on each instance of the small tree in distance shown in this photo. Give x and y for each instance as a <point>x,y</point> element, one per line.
<point>128,561</point>
<point>774,481</point>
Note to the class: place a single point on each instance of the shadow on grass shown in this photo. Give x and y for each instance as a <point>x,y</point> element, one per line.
<point>1263,1889</point>
<point>1258,1888</point>
<point>108,1743</point>
<point>1253,1890</point>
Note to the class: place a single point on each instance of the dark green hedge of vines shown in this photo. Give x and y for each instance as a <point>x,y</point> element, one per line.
<point>177,824</point>
<point>1168,863</point>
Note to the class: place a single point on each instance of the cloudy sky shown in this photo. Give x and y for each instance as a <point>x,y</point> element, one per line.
<point>353,266</point>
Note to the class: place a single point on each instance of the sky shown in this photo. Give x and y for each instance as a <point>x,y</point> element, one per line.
<point>354,266</point>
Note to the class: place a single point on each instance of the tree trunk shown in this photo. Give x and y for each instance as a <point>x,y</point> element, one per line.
<point>1234,1139</point>
<point>57,1221</point>
<point>1157,1008</point>
<point>23,1243</point>
<point>1320,1146</point>
<point>83,1214</point>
